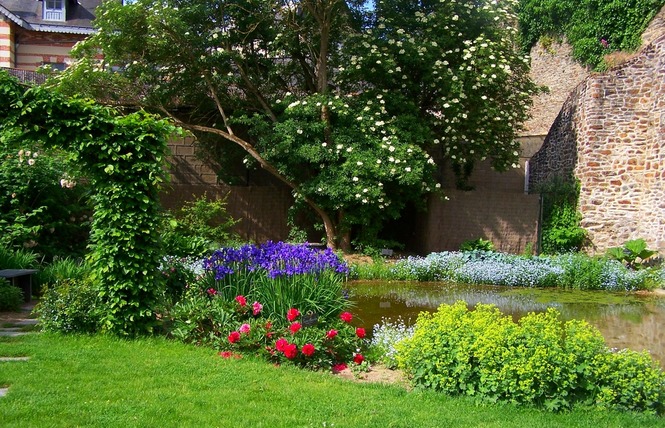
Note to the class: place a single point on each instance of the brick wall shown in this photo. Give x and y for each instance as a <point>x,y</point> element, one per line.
<point>262,209</point>
<point>497,210</point>
<point>611,136</point>
<point>6,43</point>
<point>36,48</point>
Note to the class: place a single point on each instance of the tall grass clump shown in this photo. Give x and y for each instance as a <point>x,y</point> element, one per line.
<point>17,258</point>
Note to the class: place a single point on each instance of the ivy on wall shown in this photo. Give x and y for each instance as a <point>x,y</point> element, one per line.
<point>561,231</point>
<point>594,28</point>
<point>123,156</point>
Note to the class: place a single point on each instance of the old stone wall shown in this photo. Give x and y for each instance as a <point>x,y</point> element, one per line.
<point>611,136</point>
<point>553,68</point>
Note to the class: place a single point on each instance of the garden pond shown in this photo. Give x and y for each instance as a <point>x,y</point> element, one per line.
<point>626,320</point>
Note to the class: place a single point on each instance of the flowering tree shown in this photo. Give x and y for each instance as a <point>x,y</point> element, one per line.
<point>347,106</point>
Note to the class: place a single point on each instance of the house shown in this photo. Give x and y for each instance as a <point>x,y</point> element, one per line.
<point>34,33</point>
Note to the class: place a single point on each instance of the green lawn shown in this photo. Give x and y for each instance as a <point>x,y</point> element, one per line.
<point>106,382</point>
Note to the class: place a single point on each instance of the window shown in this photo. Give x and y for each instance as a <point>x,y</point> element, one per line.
<point>54,10</point>
<point>58,66</point>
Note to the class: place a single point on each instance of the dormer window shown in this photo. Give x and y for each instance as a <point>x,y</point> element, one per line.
<point>54,10</point>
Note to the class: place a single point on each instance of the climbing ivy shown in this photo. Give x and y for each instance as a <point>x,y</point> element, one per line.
<point>594,28</point>
<point>561,230</point>
<point>123,156</point>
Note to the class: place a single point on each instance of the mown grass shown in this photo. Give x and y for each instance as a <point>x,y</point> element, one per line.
<point>107,382</point>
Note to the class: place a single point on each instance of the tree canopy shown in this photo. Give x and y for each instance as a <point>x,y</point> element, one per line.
<point>352,107</point>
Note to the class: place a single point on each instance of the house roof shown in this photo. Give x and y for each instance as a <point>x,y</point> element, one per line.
<point>28,14</point>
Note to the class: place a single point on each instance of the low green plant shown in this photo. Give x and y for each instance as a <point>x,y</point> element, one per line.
<point>17,258</point>
<point>540,361</point>
<point>633,253</point>
<point>378,268</point>
<point>10,297</point>
<point>70,306</point>
<point>59,270</point>
<point>479,244</point>
<point>205,219</point>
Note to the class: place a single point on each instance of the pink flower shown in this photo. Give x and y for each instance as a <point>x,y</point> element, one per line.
<point>360,332</point>
<point>291,351</point>
<point>339,367</point>
<point>281,344</point>
<point>241,300</point>
<point>358,358</point>
<point>346,316</point>
<point>244,329</point>
<point>295,327</point>
<point>256,308</point>
<point>229,354</point>
<point>292,314</point>
<point>211,291</point>
<point>308,350</point>
<point>331,334</point>
<point>234,337</point>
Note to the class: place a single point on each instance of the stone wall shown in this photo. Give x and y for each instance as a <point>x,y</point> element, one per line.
<point>554,68</point>
<point>611,136</point>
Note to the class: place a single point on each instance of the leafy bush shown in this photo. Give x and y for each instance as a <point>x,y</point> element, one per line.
<point>631,252</point>
<point>69,306</point>
<point>539,360</point>
<point>198,227</point>
<point>11,297</point>
<point>594,28</point>
<point>42,206</point>
<point>561,231</point>
<point>479,244</point>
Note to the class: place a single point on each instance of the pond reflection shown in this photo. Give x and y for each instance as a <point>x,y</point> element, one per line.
<point>625,320</point>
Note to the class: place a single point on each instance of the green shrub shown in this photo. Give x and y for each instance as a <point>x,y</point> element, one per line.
<point>631,252</point>
<point>42,207</point>
<point>69,306</point>
<point>198,227</point>
<point>479,244</point>
<point>540,361</point>
<point>11,297</point>
<point>628,380</point>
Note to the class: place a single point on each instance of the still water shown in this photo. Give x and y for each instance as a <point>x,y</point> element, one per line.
<point>626,320</point>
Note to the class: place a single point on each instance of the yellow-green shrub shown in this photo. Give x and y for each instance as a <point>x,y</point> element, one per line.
<point>540,360</point>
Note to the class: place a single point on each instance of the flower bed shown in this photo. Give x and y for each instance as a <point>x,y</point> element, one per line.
<point>567,271</point>
<point>282,301</point>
